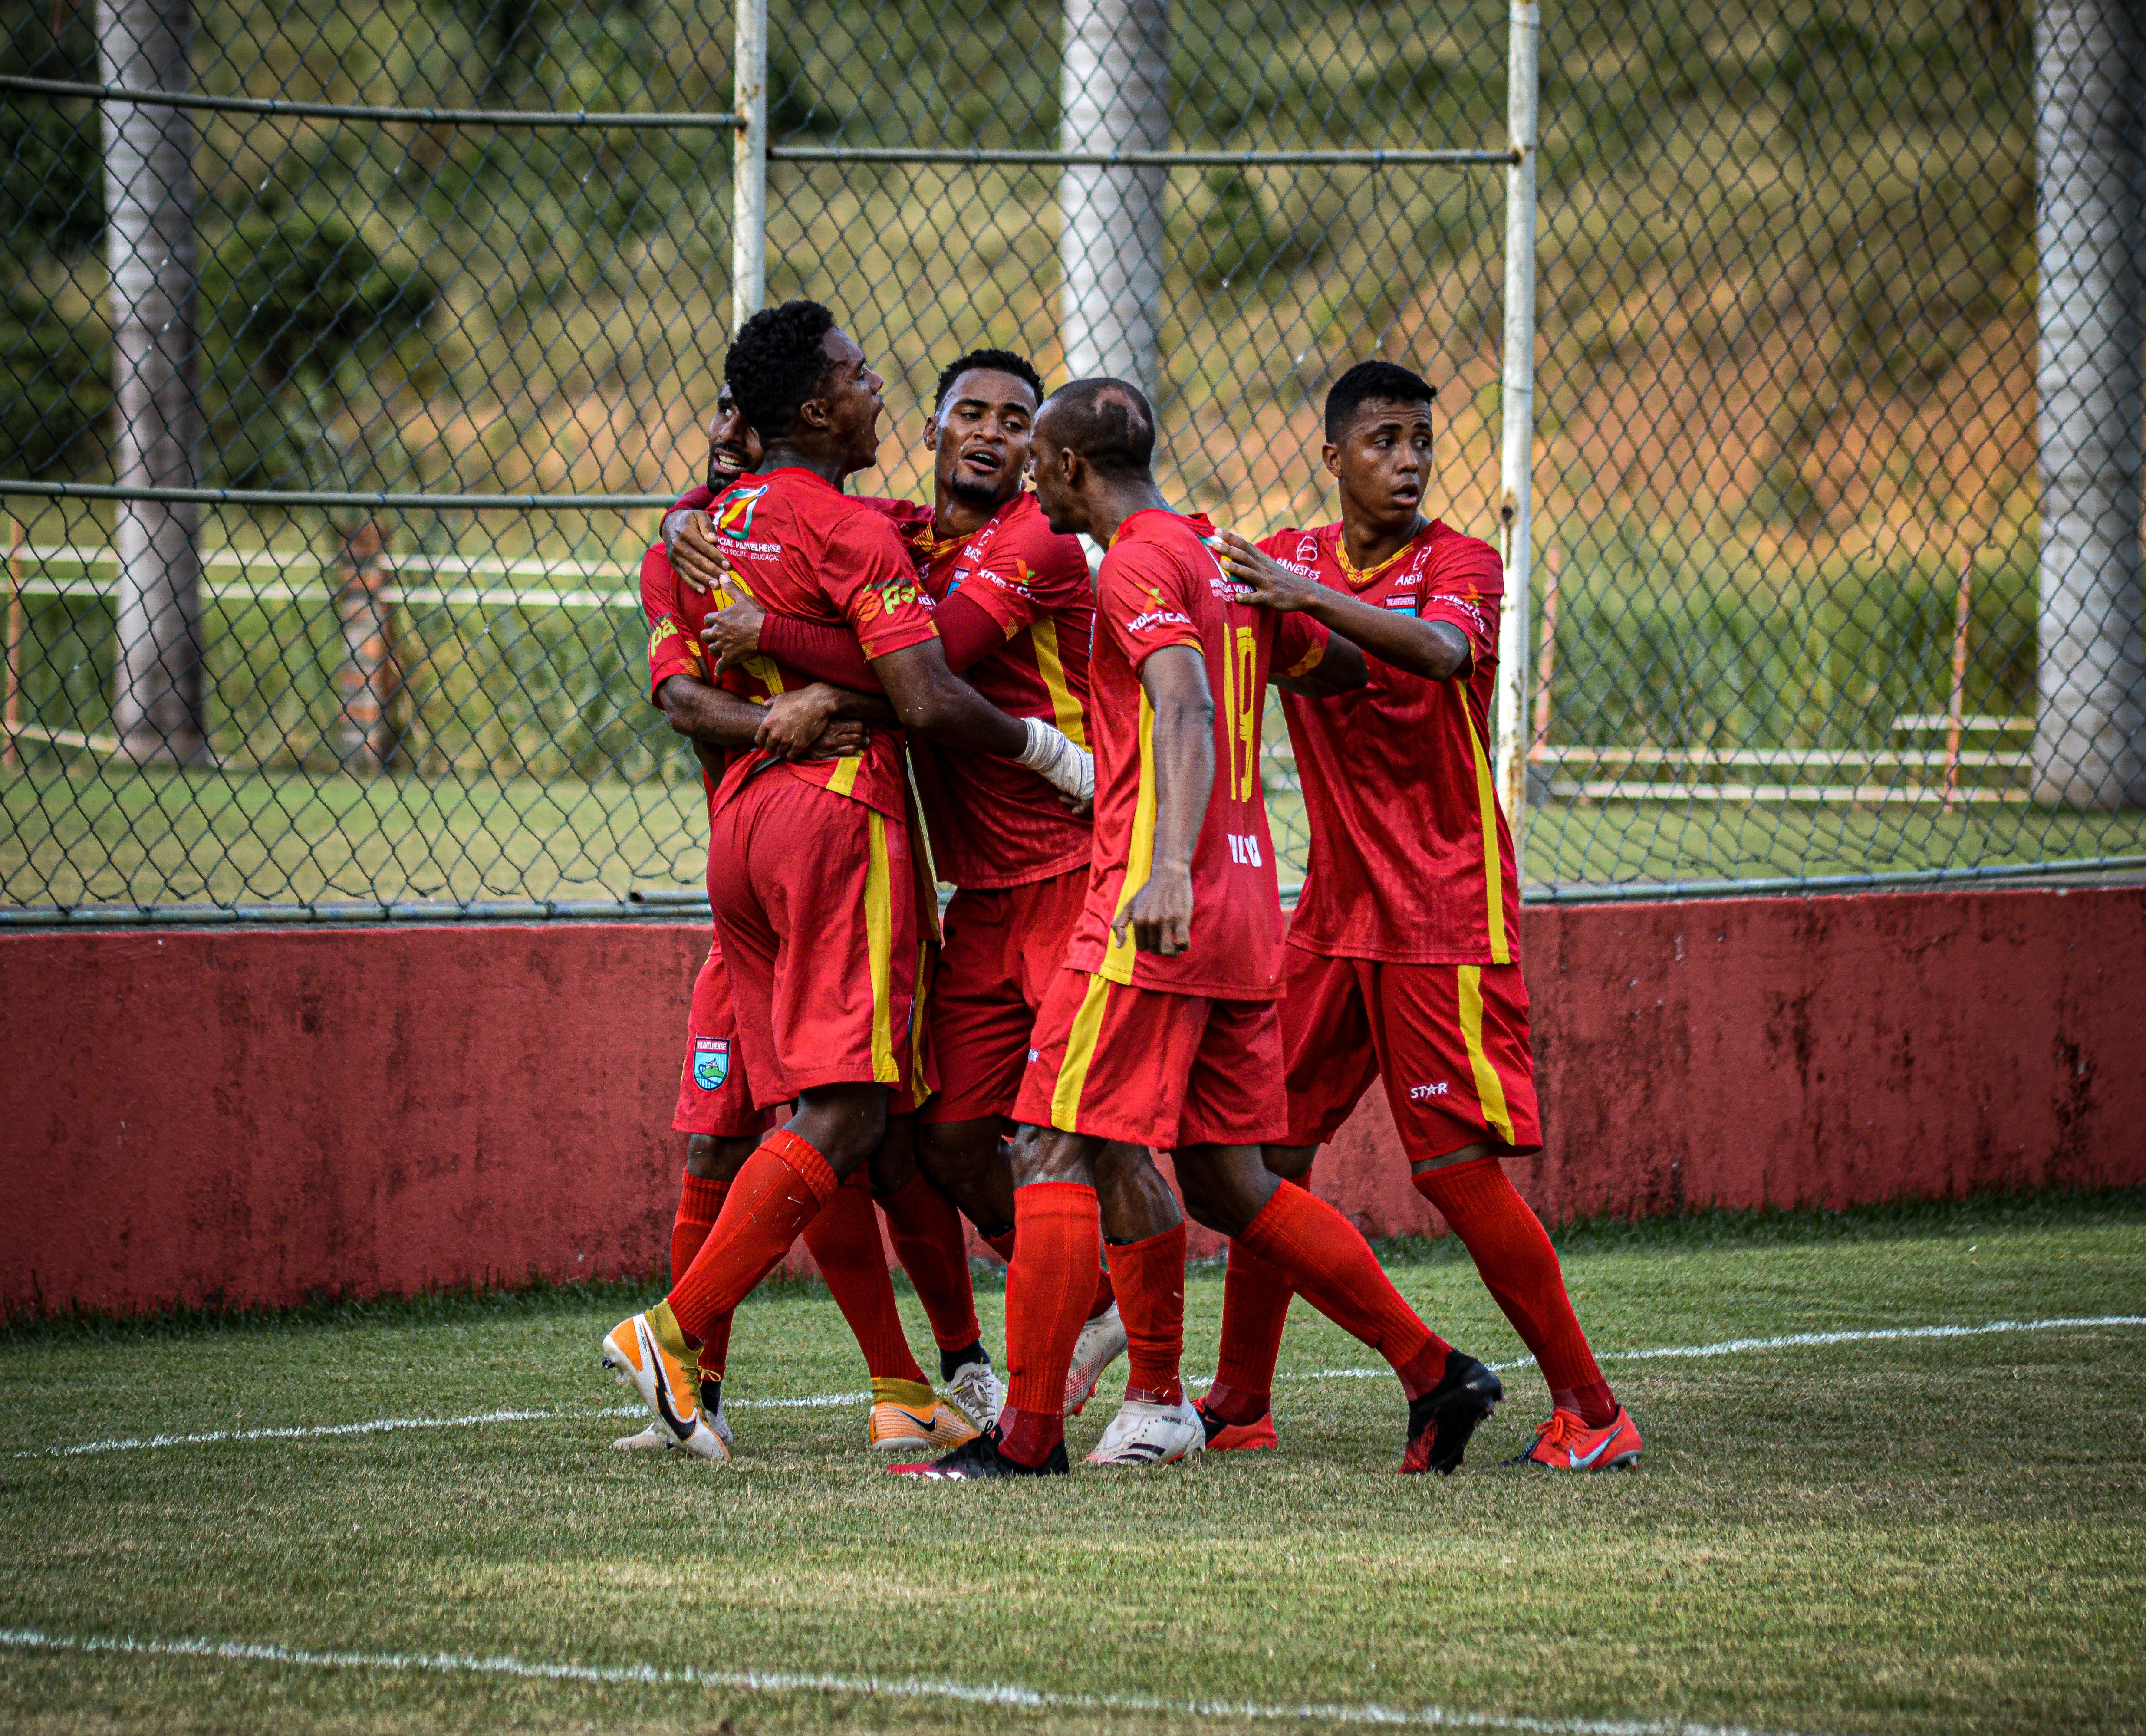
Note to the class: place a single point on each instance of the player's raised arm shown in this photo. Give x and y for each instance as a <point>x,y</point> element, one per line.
<point>1160,915</point>
<point>1435,649</point>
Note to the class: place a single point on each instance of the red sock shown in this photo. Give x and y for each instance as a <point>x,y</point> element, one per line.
<point>1057,1240</point>
<point>1153,1307</point>
<point>700,1201</point>
<point>778,1192</point>
<point>1000,1244</point>
<point>927,1240</point>
<point>844,1242</point>
<point>1326,1261</point>
<point>1520,1269</point>
<point>1255,1299</point>
<point>1106,1293</point>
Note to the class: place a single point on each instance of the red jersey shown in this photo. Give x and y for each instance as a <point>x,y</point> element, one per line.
<point>995,824</point>
<point>1160,585</point>
<point>1411,862</point>
<point>806,549</point>
<point>676,613</point>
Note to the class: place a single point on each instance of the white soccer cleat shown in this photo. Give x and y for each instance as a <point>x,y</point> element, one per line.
<point>656,1437</point>
<point>665,1377</point>
<point>1101,1342</point>
<point>1142,1433</point>
<point>974,1391</point>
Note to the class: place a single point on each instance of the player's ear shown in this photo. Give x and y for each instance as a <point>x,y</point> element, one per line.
<point>931,433</point>
<point>1330,455</point>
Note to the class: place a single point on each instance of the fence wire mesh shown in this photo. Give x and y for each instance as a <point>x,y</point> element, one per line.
<point>1790,581</point>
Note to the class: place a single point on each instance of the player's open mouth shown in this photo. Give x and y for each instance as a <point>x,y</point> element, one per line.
<point>985,459</point>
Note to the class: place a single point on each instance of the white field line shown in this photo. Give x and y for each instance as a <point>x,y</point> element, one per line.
<point>1726,1347</point>
<point>899,1687</point>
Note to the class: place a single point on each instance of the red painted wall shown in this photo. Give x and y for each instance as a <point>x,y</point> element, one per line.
<point>255,1115</point>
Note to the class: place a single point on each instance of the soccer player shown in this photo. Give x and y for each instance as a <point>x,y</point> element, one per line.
<point>1013,606</point>
<point>715,1108</point>
<point>1404,957</point>
<point>812,874</point>
<point>1161,1029</point>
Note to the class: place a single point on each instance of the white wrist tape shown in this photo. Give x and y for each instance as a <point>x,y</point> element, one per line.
<point>1053,757</point>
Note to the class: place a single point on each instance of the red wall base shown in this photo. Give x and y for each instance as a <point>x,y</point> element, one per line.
<point>255,1116</point>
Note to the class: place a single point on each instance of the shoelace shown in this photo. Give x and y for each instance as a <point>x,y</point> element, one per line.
<point>1564,1429</point>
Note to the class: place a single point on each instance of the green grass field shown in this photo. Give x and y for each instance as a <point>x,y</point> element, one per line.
<point>1907,1533</point>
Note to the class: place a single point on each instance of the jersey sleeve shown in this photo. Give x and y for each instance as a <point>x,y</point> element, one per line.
<point>1466,588</point>
<point>671,649</point>
<point>870,576</point>
<point>1140,601</point>
<point>1300,646</point>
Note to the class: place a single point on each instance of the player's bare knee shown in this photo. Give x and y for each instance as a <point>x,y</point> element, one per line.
<point>1292,1163</point>
<point>711,1158</point>
<point>895,1161</point>
<point>844,1123</point>
<point>1044,1154</point>
<point>1225,1186</point>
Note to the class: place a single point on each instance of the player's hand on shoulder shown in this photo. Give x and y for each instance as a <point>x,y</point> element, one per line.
<point>797,724</point>
<point>1160,914</point>
<point>689,541</point>
<point>732,635</point>
<point>1260,577</point>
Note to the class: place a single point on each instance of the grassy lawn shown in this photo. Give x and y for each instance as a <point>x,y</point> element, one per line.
<point>109,835</point>
<point>1913,1533</point>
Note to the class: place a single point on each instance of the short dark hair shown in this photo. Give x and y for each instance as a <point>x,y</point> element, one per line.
<point>1370,381</point>
<point>1003,361</point>
<point>777,363</point>
<point>1109,423</point>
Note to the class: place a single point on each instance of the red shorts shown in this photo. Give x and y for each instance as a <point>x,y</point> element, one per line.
<point>713,1097</point>
<point>1152,1068</point>
<point>816,903</point>
<point>1002,954</point>
<point>1451,1041</point>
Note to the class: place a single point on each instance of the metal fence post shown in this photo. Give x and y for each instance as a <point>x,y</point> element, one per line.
<point>149,245</point>
<point>2090,724</point>
<point>1114,95</point>
<point>1517,402</point>
<point>749,165</point>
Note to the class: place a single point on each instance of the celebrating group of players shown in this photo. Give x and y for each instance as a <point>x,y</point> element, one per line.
<point>884,697</point>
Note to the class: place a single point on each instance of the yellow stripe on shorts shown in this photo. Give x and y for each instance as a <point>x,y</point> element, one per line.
<point>879,949</point>
<point>1489,1089</point>
<point>843,780</point>
<point>1080,1056</point>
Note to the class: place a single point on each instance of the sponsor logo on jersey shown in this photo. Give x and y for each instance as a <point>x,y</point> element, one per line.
<point>884,599</point>
<point>1425,1093</point>
<point>711,1062</point>
<point>1307,549</point>
<point>666,628</point>
<point>1157,618</point>
<point>733,512</point>
<point>1411,603</point>
<point>1299,568</point>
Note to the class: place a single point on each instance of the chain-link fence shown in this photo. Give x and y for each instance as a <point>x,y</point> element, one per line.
<point>338,389</point>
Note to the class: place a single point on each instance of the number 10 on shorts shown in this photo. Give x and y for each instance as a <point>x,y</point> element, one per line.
<point>1244,849</point>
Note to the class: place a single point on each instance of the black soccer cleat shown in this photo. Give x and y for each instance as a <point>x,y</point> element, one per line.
<point>980,1458</point>
<point>1440,1422</point>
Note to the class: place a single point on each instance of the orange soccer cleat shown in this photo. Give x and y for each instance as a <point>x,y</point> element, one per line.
<point>1251,1436</point>
<point>1566,1443</point>
<point>908,1414</point>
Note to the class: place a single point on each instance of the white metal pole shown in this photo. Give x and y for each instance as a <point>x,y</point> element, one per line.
<point>748,168</point>
<point>1518,402</point>
<point>1114,95</point>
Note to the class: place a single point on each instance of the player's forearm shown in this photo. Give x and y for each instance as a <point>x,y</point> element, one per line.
<point>1184,747</point>
<point>930,699</point>
<point>825,653</point>
<point>708,715</point>
<point>1427,648</point>
<point>846,704</point>
<point>1341,669</point>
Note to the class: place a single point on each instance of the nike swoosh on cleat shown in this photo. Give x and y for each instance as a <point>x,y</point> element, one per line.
<point>679,1430</point>
<point>1602,1446</point>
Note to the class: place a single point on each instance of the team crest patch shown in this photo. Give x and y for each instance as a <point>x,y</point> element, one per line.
<point>711,1062</point>
<point>733,512</point>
